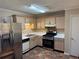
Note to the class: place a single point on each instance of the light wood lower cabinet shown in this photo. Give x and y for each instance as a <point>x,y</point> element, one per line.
<point>34,41</point>
<point>39,40</point>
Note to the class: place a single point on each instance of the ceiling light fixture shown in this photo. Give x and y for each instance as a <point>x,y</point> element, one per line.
<point>37,8</point>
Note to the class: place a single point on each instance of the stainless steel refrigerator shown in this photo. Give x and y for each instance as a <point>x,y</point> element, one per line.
<point>10,40</point>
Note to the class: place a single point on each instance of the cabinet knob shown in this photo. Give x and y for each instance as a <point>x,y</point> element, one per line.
<point>72,38</point>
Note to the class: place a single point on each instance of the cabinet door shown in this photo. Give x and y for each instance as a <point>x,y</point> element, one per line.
<point>40,23</point>
<point>60,22</point>
<point>31,22</point>
<point>20,19</point>
<point>28,20</point>
<point>39,40</point>
<point>50,21</point>
<point>32,42</point>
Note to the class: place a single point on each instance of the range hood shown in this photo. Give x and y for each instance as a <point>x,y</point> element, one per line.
<point>50,25</point>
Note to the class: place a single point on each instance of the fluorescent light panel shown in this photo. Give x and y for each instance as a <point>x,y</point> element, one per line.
<point>37,8</point>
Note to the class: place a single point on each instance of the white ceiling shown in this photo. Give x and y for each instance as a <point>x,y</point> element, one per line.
<point>53,5</point>
<point>6,12</point>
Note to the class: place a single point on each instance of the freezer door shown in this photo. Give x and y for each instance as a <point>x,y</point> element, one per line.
<point>6,40</point>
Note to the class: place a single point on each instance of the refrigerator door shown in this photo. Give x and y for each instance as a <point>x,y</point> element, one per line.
<point>17,38</point>
<point>0,37</point>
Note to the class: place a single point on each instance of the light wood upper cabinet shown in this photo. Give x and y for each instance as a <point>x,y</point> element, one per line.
<point>49,20</point>
<point>31,21</point>
<point>20,19</point>
<point>40,23</point>
<point>60,22</point>
<point>25,20</point>
<point>28,20</point>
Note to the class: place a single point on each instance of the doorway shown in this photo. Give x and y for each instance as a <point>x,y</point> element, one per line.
<point>75,35</point>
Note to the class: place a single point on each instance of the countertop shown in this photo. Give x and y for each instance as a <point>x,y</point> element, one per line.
<point>32,34</point>
<point>60,35</point>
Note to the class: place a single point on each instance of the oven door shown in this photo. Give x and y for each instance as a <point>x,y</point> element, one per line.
<point>48,43</point>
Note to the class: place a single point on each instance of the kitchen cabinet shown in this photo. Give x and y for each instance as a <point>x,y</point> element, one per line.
<point>60,22</point>
<point>39,40</point>
<point>50,20</point>
<point>28,20</point>
<point>40,23</point>
<point>34,41</point>
<point>20,19</point>
<point>31,21</point>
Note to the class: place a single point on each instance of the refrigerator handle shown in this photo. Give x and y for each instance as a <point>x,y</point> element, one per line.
<point>11,38</point>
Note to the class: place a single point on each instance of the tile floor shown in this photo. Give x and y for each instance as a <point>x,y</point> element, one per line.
<point>44,53</point>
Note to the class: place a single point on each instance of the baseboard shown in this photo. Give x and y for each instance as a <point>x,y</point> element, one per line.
<point>43,47</point>
<point>59,51</point>
<point>65,53</point>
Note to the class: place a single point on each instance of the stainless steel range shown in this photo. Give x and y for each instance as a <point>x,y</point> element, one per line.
<point>48,38</point>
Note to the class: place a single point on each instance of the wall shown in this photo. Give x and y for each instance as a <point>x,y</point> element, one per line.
<point>67,31</point>
<point>68,14</point>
